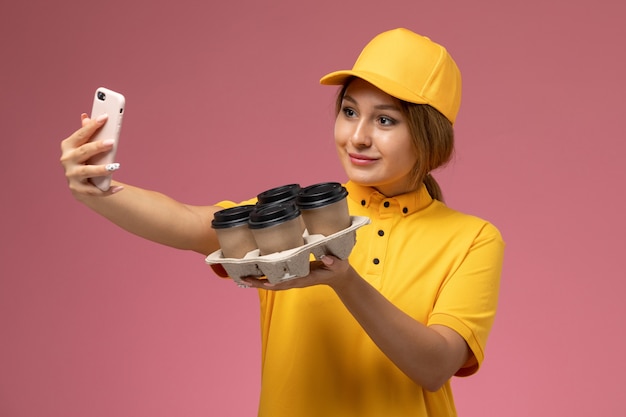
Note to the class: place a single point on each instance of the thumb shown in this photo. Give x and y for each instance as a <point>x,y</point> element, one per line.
<point>327,260</point>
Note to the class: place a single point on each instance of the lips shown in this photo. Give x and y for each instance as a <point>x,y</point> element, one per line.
<point>359,159</point>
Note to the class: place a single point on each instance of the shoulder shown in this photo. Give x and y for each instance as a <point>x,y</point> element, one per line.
<point>438,210</point>
<point>444,218</point>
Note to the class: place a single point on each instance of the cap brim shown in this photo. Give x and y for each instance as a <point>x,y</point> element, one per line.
<point>388,86</point>
<point>336,78</point>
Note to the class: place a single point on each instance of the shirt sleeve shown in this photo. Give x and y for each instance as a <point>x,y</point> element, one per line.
<point>228,204</point>
<point>469,296</point>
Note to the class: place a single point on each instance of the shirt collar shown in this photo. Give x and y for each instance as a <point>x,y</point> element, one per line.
<point>408,203</point>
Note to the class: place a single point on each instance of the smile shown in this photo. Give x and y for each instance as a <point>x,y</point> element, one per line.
<point>361,160</point>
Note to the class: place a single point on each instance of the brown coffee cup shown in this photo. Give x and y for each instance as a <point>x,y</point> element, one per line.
<point>233,233</point>
<point>324,208</point>
<point>279,195</point>
<point>276,227</point>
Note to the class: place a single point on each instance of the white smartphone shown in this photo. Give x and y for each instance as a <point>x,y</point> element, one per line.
<point>112,103</point>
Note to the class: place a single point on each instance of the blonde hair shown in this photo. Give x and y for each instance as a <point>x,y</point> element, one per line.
<point>433,140</point>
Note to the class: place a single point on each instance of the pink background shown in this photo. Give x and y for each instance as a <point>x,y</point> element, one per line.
<point>223,101</point>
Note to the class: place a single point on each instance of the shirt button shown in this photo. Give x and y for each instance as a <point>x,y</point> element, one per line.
<point>381,233</point>
<point>405,210</point>
<point>376,261</point>
<point>362,202</point>
<point>386,204</point>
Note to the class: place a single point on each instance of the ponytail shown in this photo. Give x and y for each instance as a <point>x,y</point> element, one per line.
<point>433,187</point>
<point>433,141</point>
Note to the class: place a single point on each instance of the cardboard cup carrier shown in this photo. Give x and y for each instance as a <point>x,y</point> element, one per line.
<point>282,249</point>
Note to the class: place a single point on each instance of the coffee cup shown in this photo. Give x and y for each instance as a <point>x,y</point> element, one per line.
<point>324,208</point>
<point>283,194</point>
<point>276,227</point>
<point>233,233</point>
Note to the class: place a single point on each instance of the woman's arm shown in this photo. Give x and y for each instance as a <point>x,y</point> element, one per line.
<point>148,214</point>
<point>429,355</point>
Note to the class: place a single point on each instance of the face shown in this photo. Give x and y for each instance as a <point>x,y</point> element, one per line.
<point>373,140</point>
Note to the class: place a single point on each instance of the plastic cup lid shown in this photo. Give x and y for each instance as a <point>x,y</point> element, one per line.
<point>319,195</point>
<point>232,217</point>
<point>267,215</point>
<point>279,194</point>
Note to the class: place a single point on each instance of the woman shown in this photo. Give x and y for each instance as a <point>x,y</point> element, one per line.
<point>382,332</point>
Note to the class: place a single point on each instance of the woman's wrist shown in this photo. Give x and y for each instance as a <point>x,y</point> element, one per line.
<point>344,280</point>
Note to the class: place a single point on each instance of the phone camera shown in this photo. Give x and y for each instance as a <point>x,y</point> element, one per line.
<point>101,96</point>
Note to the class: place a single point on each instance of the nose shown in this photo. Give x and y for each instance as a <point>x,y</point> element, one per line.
<point>361,135</point>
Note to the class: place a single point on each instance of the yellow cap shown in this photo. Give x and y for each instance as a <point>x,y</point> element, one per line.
<point>409,67</point>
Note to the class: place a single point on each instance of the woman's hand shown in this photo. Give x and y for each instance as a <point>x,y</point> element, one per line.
<point>329,270</point>
<point>76,151</point>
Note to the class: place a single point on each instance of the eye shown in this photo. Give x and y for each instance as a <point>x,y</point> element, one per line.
<point>348,112</point>
<point>386,121</point>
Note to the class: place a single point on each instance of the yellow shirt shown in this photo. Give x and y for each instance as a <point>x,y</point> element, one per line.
<point>438,265</point>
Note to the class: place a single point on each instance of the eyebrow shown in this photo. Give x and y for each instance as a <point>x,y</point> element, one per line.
<point>378,107</point>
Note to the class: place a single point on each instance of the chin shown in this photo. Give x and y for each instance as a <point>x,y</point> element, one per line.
<point>362,181</point>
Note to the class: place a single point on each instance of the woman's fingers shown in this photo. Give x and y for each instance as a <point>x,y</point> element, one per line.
<point>324,271</point>
<point>76,150</point>
<point>82,135</point>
